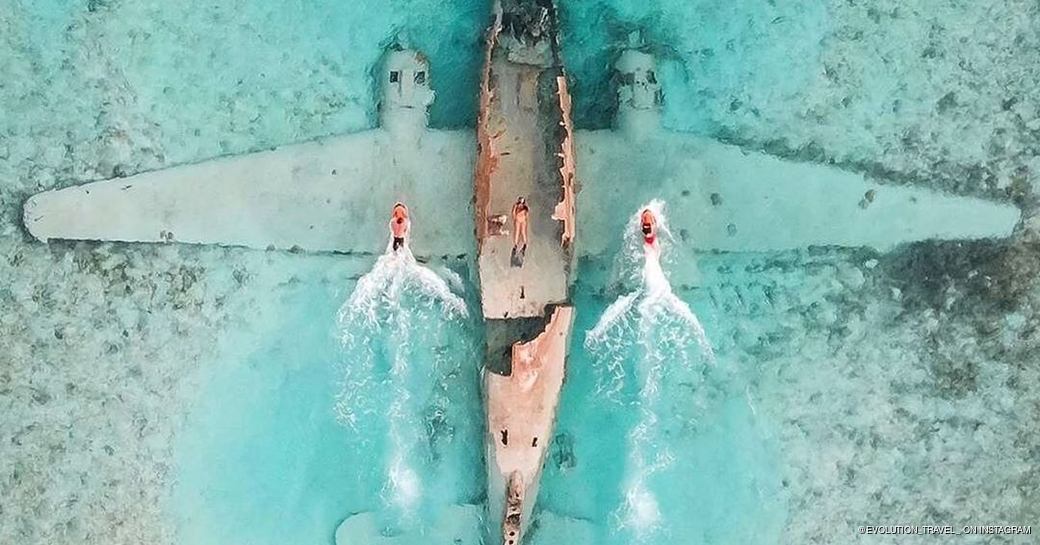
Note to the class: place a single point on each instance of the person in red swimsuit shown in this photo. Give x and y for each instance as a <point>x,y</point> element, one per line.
<point>399,225</point>
<point>648,224</point>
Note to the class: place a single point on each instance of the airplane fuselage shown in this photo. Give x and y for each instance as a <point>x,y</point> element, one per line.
<point>524,151</point>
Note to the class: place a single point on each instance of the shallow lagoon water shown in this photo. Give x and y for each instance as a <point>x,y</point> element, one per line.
<point>716,478</point>
<point>263,459</point>
<point>289,437</point>
<point>266,456</point>
<point>867,388</point>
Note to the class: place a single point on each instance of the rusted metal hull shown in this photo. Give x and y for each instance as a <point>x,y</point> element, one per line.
<point>521,414</point>
<point>525,149</point>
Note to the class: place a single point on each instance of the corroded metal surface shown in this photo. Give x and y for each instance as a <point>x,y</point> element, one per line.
<point>525,149</point>
<point>521,413</point>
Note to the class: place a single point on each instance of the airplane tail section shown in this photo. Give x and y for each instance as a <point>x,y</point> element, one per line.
<point>460,525</point>
<point>456,525</point>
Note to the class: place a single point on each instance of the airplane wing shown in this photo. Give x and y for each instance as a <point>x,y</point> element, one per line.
<point>460,525</point>
<point>550,526</point>
<point>332,194</point>
<point>721,197</point>
<point>457,524</point>
<point>326,195</point>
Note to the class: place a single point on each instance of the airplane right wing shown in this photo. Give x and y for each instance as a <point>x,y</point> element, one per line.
<point>721,197</point>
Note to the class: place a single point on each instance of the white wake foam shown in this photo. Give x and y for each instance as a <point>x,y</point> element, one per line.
<point>395,328</point>
<point>645,339</point>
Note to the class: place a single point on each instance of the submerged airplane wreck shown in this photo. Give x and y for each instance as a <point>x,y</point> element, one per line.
<point>525,148</point>
<point>303,196</point>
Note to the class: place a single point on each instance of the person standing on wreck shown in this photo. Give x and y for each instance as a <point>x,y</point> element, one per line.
<point>520,215</point>
<point>400,224</point>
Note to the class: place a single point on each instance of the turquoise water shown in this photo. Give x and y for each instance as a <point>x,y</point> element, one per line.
<point>847,387</point>
<point>263,459</point>
<point>716,479</point>
<point>365,398</point>
<point>658,439</point>
<point>715,57</point>
<point>363,405</point>
<point>183,70</point>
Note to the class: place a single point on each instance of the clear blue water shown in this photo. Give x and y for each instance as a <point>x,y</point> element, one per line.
<point>658,439</point>
<point>227,78</point>
<point>365,398</point>
<point>290,437</point>
<point>269,455</point>
<point>872,388</point>
<point>263,459</point>
<point>718,482</point>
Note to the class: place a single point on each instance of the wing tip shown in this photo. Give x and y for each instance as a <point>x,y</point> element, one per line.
<point>32,214</point>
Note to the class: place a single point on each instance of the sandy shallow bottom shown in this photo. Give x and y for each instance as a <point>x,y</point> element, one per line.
<point>872,389</point>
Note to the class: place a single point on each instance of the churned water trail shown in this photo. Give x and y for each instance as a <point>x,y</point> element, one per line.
<point>644,338</point>
<point>396,326</point>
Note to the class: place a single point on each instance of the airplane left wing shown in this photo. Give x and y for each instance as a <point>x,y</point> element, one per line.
<point>332,194</point>
<point>326,195</point>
